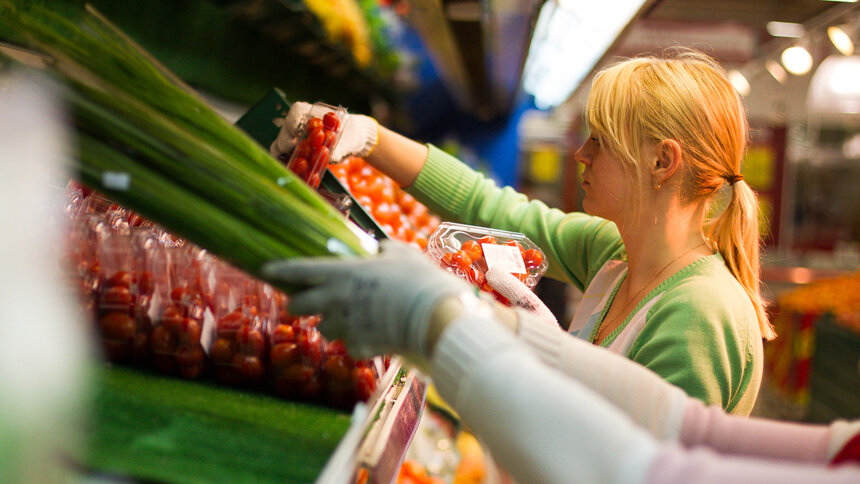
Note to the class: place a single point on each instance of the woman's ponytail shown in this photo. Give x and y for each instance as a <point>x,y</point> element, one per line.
<point>735,233</point>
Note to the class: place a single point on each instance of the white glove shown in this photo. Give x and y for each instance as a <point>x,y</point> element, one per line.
<point>518,293</point>
<point>358,136</point>
<point>378,305</point>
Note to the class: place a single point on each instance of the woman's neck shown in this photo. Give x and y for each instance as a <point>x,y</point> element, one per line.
<point>665,238</point>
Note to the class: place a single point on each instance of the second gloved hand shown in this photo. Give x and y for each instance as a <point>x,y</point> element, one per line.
<point>377,305</point>
<point>358,137</point>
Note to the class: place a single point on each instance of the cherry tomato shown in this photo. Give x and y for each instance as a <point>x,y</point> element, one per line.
<point>300,166</point>
<point>303,149</point>
<point>250,341</point>
<point>249,366</point>
<point>145,283</point>
<point>222,351</point>
<point>330,138</point>
<point>330,121</point>
<point>315,123</point>
<point>116,297</point>
<point>316,137</point>
<point>514,243</point>
<point>321,158</point>
<point>337,367</point>
<point>283,333</point>
<point>120,278</point>
<point>462,260</point>
<point>171,319</point>
<point>532,258</point>
<point>189,355</point>
<point>487,239</point>
<point>163,341</point>
<point>189,333</point>
<point>473,249</point>
<point>363,383</point>
<point>335,347</point>
<point>180,294</point>
<point>229,324</point>
<point>118,326</point>
<point>284,354</point>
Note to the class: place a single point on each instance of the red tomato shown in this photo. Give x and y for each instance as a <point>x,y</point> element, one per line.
<point>118,326</point>
<point>487,239</point>
<point>514,243</point>
<point>180,294</point>
<point>145,283</point>
<point>363,383</point>
<point>189,334</point>
<point>163,341</point>
<point>472,248</point>
<point>310,344</point>
<point>120,278</point>
<point>462,260</point>
<point>284,354</point>
<point>300,166</point>
<point>303,149</point>
<point>171,319</point>
<point>337,367</point>
<point>330,138</point>
<point>283,333</point>
<point>250,341</point>
<point>222,351</point>
<point>116,297</point>
<point>532,258</point>
<point>330,121</point>
<point>229,324</point>
<point>320,159</point>
<point>335,347</point>
<point>250,366</point>
<point>189,355</point>
<point>316,137</point>
<point>315,123</point>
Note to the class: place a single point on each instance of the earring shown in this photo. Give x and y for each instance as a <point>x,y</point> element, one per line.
<point>657,185</point>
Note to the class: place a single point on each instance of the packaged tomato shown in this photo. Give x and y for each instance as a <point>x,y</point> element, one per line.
<point>238,347</point>
<point>180,315</point>
<point>320,130</point>
<point>469,251</point>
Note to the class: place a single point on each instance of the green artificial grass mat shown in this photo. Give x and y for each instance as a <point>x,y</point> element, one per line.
<point>156,428</point>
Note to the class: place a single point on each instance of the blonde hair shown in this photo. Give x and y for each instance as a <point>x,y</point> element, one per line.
<point>686,97</point>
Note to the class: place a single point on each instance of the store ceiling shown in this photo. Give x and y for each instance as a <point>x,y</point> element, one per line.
<point>732,30</point>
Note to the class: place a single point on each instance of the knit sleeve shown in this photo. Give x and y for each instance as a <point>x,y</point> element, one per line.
<point>576,244</point>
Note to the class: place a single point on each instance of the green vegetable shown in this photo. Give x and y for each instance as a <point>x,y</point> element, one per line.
<point>188,169</point>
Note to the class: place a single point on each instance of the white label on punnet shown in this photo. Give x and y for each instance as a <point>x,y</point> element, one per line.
<point>504,257</point>
<point>116,180</point>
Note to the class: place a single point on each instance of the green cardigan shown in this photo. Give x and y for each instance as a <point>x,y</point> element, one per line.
<point>698,329</point>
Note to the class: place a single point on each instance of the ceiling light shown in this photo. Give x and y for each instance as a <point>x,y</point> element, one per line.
<point>797,60</point>
<point>776,70</point>
<point>833,88</point>
<point>838,34</point>
<point>569,40</point>
<point>740,83</point>
<point>785,29</point>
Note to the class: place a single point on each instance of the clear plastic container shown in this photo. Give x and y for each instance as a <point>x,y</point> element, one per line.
<point>469,251</point>
<point>319,133</point>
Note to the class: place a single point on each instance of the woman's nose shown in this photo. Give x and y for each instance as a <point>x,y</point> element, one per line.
<point>581,156</point>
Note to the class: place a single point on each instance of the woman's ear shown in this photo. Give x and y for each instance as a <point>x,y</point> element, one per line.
<point>667,160</point>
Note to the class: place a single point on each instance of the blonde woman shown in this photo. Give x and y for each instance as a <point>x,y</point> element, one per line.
<point>663,285</point>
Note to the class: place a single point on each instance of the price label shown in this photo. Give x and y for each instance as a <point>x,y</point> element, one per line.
<point>504,257</point>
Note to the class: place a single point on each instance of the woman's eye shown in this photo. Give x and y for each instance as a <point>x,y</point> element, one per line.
<point>595,140</point>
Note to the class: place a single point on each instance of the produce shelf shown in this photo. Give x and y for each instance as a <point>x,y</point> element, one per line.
<point>154,428</point>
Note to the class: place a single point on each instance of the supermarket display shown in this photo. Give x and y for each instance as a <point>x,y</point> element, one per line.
<point>153,146</point>
<point>470,251</point>
<point>160,302</point>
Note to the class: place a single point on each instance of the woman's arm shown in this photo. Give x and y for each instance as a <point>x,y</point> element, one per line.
<point>668,413</point>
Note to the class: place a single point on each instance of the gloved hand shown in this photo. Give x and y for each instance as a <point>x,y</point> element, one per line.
<point>358,137</point>
<point>518,293</point>
<point>377,305</point>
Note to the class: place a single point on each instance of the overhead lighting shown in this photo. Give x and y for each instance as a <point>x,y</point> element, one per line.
<point>838,35</point>
<point>833,88</point>
<point>776,71</point>
<point>740,83</point>
<point>569,39</point>
<point>797,60</point>
<point>785,29</point>
<point>842,1</point>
